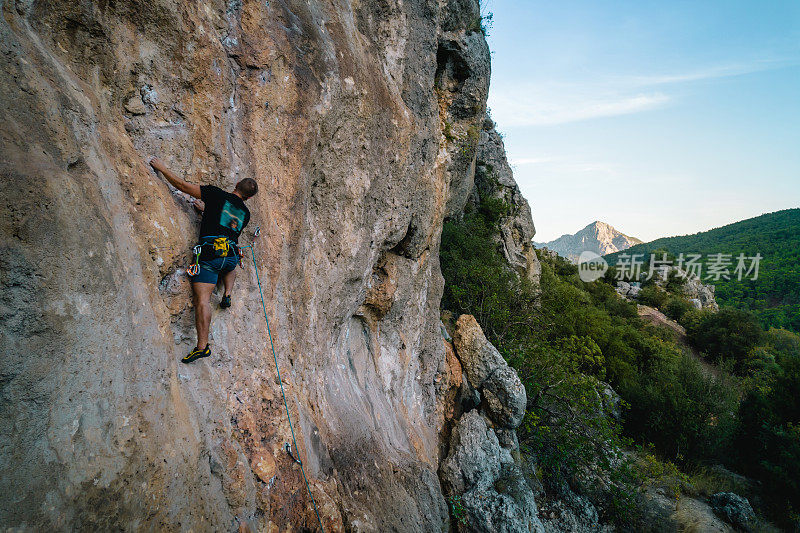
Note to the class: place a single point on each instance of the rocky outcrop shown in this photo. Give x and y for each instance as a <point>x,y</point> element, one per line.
<point>570,513</point>
<point>629,289</point>
<point>361,122</point>
<point>481,470</point>
<point>699,294</point>
<point>494,180</point>
<point>734,509</point>
<point>474,457</point>
<point>462,86</point>
<point>479,358</point>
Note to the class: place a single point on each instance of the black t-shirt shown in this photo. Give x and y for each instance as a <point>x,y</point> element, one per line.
<point>224,215</point>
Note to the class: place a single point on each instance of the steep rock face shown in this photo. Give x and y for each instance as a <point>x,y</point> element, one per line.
<point>494,179</point>
<point>358,120</point>
<point>462,86</point>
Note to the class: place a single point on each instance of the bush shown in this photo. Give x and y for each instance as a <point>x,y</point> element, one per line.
<point>675,282</point>
<point>768,443</point>
<point>782,341</point>
<point>675,307</point>
<point>683,410</point>
<point>728,334</point>
<point>653,296</point>
<point>693,317</point>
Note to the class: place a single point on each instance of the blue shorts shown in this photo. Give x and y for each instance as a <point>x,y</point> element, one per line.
<point>212,269</point>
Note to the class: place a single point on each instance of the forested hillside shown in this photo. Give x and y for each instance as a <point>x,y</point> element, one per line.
<point>774,297</point>
<point>722,393</point>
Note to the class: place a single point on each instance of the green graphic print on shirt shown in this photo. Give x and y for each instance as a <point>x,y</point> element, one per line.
<point>231,217</point>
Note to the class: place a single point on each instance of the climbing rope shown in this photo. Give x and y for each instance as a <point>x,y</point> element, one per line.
<point>283,393</point>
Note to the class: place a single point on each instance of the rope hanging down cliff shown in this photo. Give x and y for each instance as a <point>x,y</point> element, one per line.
<point>283,393</point>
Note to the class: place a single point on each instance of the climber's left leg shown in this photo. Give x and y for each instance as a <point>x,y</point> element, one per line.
<point>202,319</point>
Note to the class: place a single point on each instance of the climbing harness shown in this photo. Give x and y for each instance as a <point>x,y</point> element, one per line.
<point>222,247</point>
<point>287,447</point>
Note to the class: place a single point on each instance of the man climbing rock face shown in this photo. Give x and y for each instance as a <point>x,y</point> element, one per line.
<point>217,253</point>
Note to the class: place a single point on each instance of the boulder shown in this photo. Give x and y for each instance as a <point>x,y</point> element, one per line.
<point>623,287</point>
<point>474,458</point>
<point>734,509</point>
<point>478,356</point>
<point>636,287</point>
<point>570,513</point>
<point>505,397</point>
<point>491,512</point>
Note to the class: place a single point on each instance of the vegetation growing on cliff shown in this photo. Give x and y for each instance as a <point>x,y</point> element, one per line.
<point>569,338</point>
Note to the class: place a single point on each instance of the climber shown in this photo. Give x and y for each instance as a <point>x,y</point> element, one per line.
<point>216,255</point>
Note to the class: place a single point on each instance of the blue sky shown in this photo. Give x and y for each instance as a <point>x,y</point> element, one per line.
<point>660,118</point>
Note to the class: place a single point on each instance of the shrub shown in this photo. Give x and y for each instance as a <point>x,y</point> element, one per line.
<point>683,410</point>
<point>675,282</point>
<point>675,307</point>
<point>728,334</point>
<point>653,296</point>
<point>783,341</point>
<point>768,443</point>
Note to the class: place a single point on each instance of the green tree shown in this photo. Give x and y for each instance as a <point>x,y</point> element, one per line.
<point>728,334</point>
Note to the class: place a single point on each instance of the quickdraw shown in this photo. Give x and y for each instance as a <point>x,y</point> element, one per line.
<point>194,269</point>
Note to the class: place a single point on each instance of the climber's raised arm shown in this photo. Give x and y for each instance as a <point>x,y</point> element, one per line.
<point>178,183</point>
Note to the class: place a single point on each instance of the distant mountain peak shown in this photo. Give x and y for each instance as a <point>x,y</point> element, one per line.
<point>598,237</point>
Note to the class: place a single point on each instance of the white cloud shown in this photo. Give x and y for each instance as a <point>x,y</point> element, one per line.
<point>547,103</point>
<point>546,107</point>
<point>530,161</point>
<point>564,165</point>
<point>707,73</point>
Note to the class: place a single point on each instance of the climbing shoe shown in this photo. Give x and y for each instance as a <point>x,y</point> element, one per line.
<point>196,354</point>
<point>225,302</point>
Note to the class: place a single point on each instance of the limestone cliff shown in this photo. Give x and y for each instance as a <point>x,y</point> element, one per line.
<point>360,121</point>
<point>494,179</point>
